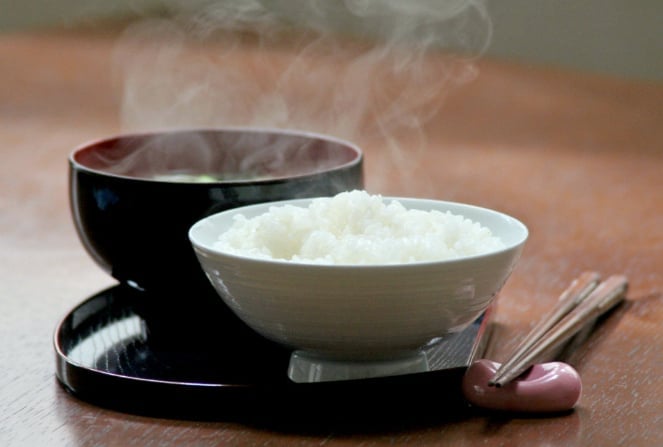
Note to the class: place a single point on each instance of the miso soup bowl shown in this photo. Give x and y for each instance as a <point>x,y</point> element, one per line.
<point>134,197</point>
<point>359,312</point>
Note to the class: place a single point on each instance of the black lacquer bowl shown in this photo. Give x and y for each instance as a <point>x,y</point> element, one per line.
<point>134,197</point>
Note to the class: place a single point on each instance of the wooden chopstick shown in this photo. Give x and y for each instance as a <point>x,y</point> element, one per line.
<point>605,296</point>
<point>576,292</point>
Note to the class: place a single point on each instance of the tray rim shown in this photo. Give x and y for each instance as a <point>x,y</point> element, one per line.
<point>105,388</point>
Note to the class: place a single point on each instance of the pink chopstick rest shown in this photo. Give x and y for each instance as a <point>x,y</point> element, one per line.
<point>544,388</point>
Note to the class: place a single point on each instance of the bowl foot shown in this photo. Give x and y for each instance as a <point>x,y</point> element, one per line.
<point>309,368</point>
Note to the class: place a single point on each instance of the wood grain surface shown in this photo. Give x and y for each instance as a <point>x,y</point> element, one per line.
<point>578,158</point>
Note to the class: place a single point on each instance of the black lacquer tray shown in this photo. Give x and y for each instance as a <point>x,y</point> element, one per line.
<point>126,350</point>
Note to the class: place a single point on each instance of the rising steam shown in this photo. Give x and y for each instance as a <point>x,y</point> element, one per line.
<point>335,67</point>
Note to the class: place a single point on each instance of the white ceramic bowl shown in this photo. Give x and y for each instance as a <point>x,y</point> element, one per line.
<point>366,312</point>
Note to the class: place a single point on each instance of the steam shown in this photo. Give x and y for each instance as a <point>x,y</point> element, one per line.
<point>353,69</point>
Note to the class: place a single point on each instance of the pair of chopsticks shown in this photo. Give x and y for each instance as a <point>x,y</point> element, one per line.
<point>582,302</point>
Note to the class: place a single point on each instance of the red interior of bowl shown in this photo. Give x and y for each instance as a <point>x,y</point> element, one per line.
<point>236,155</point>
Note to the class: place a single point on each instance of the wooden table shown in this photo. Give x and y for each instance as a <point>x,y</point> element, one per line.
<point>578,158</point>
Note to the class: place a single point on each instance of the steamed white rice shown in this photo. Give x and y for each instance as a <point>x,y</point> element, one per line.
<point>356,228</point>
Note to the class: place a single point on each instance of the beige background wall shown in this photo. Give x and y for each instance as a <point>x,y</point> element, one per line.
<point>617,37</point>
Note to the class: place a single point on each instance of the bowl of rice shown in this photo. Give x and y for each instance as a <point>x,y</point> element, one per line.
<point>134,196</point>
<point>357,284</point>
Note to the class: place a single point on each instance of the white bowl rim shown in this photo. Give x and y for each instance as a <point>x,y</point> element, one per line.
<point>518,243</point>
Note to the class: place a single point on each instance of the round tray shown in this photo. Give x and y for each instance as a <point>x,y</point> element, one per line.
<point>132,352</point>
